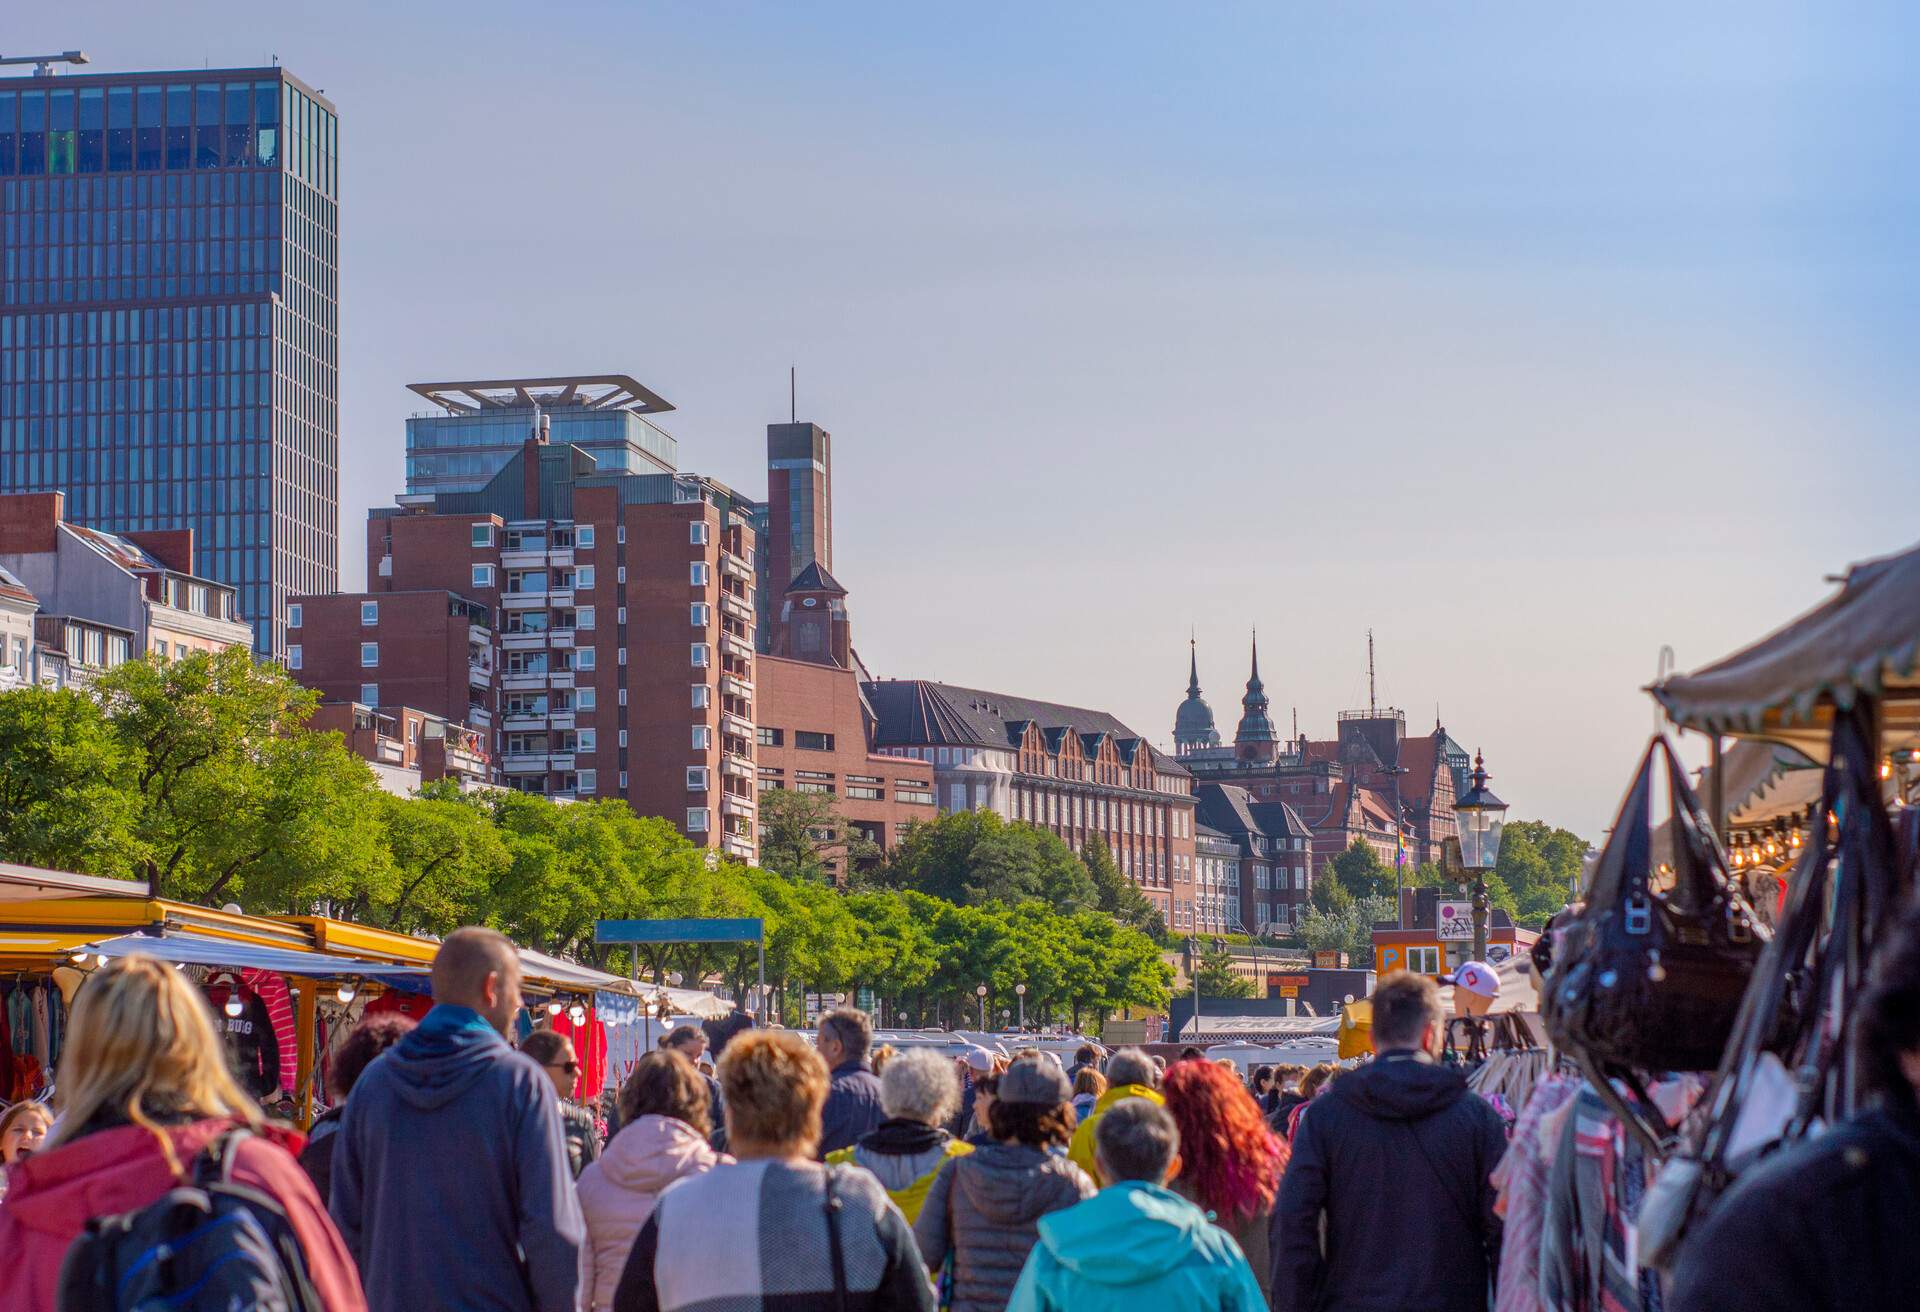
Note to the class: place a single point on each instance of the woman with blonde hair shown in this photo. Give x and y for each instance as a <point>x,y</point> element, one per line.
<point>143,1091</point>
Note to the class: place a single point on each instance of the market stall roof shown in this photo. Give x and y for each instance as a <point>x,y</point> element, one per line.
<point>30,883</point>
<point>38,949</point>
<point>1862,641</point>
<point>202,950</point>
<point>1259,1029</point>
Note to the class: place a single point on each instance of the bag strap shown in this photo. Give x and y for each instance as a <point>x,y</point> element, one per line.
<point>832,1207</point>
<point>214,1163</point>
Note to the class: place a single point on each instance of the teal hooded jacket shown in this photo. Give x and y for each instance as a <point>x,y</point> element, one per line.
<point>1131,1246</point>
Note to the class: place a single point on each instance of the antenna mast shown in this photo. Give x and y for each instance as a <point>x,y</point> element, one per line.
<point>793,394</point>
<point>1373,703</point>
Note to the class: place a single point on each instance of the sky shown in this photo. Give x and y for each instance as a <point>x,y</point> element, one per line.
<point>1532,340</point>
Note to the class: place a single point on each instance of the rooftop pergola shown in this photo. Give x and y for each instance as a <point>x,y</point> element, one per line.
<point>582,391</point>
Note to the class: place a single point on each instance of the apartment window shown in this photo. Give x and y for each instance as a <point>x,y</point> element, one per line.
<point>483,576</point>
<point>482,535</point>
<point>697,614</point>
<point>809,741</point>
<point>702,737</point>
<point>583,576</point>
<point>620,574</point>
<point>696,778</point>
<point>864,793</point>
<point>585,699</point>
<point>583,617</point>
<point>586,740</point>
<point>770,737</point>
<point>620,615</point>
<point>697,533</point>
<point>701,655</point>
<point>583,536</point>
<point>957,797</point>
<point>623,781</point>
<point>1423,961</point>
<point>702,696</point>
<point>293,656</point>
<point>369,654</point>
<point>585,658</point>
<point>920,793</point>
<point>620,536</point>
<point>696,819</point>
<point>586,781</point>
<point>369,694</point>
<point>809,786</point>
<point>294,615</point>
<point>697,573</point>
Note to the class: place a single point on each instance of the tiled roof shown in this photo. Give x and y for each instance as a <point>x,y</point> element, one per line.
<point>14,590</point>
<point>815,579</point>
<point>917,712</point>
<point>115,548</point>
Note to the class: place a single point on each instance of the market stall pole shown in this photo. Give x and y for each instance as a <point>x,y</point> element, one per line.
<point>1482,817</point>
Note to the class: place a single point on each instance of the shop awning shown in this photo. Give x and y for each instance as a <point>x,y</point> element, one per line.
<point>31,883</point>
<point>38,949</point>
<point>199,950</point>
<point>1862,641</point>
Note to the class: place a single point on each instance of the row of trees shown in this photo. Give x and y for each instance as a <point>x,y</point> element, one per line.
<point>199,779</point>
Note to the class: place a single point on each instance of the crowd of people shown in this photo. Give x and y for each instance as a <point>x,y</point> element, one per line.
<point>459,1171</point>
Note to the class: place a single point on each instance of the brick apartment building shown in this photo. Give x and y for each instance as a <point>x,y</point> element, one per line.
<point>104,598</point>
<point>1272,855</point>
<point>406,747</point>
<point>597,623</point>
<point>1075,772</point>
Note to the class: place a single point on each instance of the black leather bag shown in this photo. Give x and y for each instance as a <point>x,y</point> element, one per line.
<point>1650,976</point>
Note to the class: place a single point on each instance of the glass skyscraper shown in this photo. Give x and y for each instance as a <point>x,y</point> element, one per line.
<point>169,316</point>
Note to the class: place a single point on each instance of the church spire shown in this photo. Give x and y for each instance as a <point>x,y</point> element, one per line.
<point>1193,726</point>
<point>1256,737</point>
<point>1193,670</point>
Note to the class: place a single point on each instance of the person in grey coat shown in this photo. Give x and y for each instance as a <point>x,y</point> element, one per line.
<point>450,1178</point>
<point>984,1209</point>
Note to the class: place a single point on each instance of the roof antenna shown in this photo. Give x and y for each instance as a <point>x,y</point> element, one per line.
<point>793,395</point>
<point>1373,704</point>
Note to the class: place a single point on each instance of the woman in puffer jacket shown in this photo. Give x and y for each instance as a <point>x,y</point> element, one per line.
<point>918,1091</point>
<point>984,1209</point>
<point>663,1137</point>
<point>144,1089</point>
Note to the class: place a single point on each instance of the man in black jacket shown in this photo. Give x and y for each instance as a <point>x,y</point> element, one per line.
<point>853,1099</point>
<point>1395,1157</point>
<point>1830,1222</point>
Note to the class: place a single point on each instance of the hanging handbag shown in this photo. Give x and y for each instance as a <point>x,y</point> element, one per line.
<point>1649,978</point>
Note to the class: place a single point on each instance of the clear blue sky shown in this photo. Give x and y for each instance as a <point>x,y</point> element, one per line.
<point>1531,339</point>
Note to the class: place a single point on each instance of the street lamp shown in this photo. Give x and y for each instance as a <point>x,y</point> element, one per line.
<point>1482,816</point>
<point>981,992</point>
<point>1020,992</point>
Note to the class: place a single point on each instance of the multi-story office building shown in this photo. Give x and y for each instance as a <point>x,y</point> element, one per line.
<point>1076,772</point>
<point>609,649</point>
<point>169,316</point>
<point>105,598</point>
<point>476,427</point>
<point>1272,855</point>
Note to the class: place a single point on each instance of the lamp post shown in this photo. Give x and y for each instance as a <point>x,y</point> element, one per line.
<point>980,991</point>
<point>1020,992</point>
<point>1481,816</point>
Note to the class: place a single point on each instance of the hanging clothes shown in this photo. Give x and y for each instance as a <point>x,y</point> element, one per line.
<point>414,1006</point>
<point>589,1046</point>
<point>273,991</point>
<point>253,1050</point>
<point>1521,1179</point>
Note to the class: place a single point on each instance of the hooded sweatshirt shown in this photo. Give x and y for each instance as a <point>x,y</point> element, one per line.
<point>52,1195</point>
<point>1398,1128</point>
<point>1081,1149</point>
<point>904,1156</point>
<point>984,1210</point>
<point>618,1191</point>
<point>1133,1246</point>
<point>450,1177</point>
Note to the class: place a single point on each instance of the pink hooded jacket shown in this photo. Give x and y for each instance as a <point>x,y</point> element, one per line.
<point>617,1194</point>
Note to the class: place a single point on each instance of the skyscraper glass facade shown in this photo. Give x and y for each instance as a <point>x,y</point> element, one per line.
<point>462,452</point>
<point>169,316</point>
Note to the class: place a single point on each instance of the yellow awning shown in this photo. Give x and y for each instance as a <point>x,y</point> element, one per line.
<point>40,949</point>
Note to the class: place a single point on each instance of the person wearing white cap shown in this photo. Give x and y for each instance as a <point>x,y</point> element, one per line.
<point>1475,986</point>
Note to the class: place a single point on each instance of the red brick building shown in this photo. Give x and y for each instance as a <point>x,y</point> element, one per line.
<point>621,660</point>
<point>407,747</point>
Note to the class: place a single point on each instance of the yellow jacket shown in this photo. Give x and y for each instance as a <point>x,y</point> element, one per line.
<point>1081,1149</point>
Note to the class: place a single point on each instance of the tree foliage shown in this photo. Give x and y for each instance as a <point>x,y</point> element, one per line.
<point>1217,979</point>
<point>1360,871</point>
<point>975,857</point>
<point>1348,929</point>
<point>66,800</point>
<point>804,836</point>
<point>1119,896</point>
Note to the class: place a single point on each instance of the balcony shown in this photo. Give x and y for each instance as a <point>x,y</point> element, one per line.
<point>479,672</point>
<point>524,641</point>
<point>737,845</point>
<point>524,720</point>
<point>561,679</point>
<point>561,637</point>
<point>480,717</point>
<point>467,763</point>
<point>736,724</point>
<point>523,559</point>
<point>735,607</point>
<point>731,805</point>
<point>525,763</point>
<point>525,681</point>
<point>732,685</point>
<point>733,646</point>
<point>524,600</point>
<point>561,760</point>
<point>562,596</point>
<point>736,567</point>
<point>737,766</point>
<point>560,720</point>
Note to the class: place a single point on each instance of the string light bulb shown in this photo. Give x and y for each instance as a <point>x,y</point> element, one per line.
<point>80,957</point>
<point>553,1009</point>
<point>234,1006</point>
<point>577,1014</point>
<point>99,958</point>
<point>344,993</point>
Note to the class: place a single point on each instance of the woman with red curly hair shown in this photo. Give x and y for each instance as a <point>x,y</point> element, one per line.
<point>1230,1160</point>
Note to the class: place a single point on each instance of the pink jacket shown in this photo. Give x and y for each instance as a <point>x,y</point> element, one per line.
<point>617,1194</point>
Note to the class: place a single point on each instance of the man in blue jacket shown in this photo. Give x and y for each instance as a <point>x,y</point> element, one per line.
<point>853,1108</point>
<point>1395,1160</point>
<point>450,1177</point>
<point>1135,1244</point>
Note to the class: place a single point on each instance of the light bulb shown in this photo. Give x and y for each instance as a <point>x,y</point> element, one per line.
<point>577,1014</point>
<point>344,993</point>
<point>99,958</point>
<point>553,1009</point>
<point>233,1007</point>
<point>80,958</point>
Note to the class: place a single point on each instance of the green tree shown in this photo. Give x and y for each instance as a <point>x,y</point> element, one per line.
<point>446,854</point>
<point>66,797</point>
<point>805,836</point>
<point>1360,871</point>
<point>1539,869</point>
<point>1217,979</point>
<point>1349,930</point>
<point>1119,896</point>
<point>975,858</point>
<point>1329,896</point>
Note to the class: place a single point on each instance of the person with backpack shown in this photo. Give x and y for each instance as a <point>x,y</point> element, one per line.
<point>1401,1127</point>
<point>155,1135</point>
<point>918,1091</point>
<point>450,1177</point>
